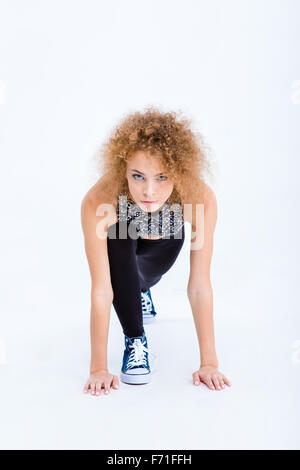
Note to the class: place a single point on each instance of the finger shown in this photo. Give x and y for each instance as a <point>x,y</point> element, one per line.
<point>209,382</point>
<point>115,382</point>
<point>226,381</point>
<point>216,381</point>
<point>93,386</point>
<point>86,387</point>
<point>98,388</point>
<point>196,378</point>
<point>106,388</point>
<point>221,382</point>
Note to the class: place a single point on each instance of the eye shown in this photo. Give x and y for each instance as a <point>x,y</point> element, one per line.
<point>163,176</point>
<point>135,174</point>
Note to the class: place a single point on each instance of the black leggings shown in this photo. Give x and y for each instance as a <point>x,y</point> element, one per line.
<point>135,266</point>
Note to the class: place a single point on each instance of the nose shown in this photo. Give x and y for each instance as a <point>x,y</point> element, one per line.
<point>148,191</point>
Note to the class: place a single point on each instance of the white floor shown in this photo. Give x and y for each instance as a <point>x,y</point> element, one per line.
<point>45,364</point>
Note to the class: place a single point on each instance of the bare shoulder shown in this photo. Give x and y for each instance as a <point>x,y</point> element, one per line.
<point>209,202</point>
<point>98,202</point>
<point>99,192</point>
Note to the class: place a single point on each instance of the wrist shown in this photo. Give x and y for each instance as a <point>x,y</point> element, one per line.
<point>98,366</point>
<point>98,363</point>
<point>209,363</point>
<point>213,362</point>
<point>96,370</point>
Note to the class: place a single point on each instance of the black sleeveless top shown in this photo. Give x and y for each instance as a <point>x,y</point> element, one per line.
<point>167,222</point>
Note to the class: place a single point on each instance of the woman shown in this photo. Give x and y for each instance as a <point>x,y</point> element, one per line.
<point>133,223</point>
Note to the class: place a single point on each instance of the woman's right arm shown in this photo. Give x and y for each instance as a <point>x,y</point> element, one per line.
<point>101,288</point>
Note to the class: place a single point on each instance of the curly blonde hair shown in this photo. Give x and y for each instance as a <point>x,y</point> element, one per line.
<point>182,152</point>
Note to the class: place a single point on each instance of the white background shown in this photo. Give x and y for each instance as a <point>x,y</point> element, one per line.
<point>69,71</point>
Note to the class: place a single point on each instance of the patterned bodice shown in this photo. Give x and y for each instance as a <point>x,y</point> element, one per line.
<point>167,221</point>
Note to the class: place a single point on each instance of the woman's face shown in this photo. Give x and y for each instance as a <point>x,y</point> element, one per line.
<point>148,183</point>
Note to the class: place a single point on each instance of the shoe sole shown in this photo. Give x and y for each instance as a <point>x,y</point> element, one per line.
<point>135,378</point>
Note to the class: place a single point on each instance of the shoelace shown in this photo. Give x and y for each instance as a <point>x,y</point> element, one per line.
<point>146,302</point>
<point>137,356</point>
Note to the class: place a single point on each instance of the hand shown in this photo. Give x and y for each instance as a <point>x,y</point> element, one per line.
<point>101,379</point>
<point>210,375</point>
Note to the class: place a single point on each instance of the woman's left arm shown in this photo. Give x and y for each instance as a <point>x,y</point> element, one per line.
<point>200,293</point>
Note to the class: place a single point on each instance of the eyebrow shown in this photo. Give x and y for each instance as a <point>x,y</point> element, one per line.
<point>144,173</point>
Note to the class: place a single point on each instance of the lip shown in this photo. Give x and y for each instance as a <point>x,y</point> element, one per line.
<point>148,202</point>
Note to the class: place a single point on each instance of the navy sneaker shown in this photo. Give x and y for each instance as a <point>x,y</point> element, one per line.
<point>135,367</point>
<point>149,313</point>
